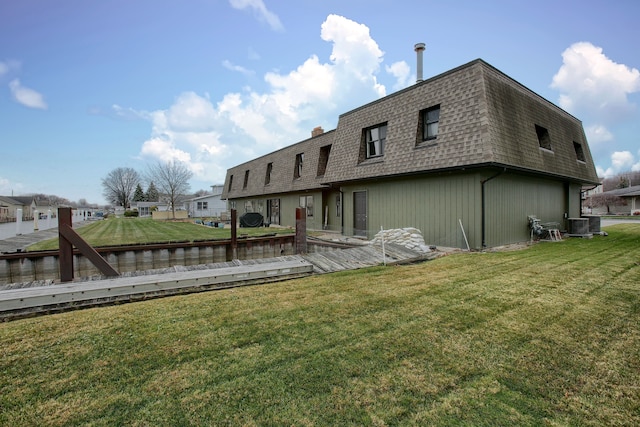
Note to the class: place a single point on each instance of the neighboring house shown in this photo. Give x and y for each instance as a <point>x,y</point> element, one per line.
<point>10,205</point>
<point>631,195</point>
<point>468,149</point>
<point>210,205</point>
<point>145,208</point>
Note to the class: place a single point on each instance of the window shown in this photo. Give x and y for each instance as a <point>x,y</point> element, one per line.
<point>230,182</point>
<point>430,119</point>
<point>203,205</point>
<point>338,205</point>
<point>246,180</point>
<point>307,202</point>
<point>579,152</point>
<point>248,206</point>
<point>267,177</point>
<point>323,160</point>
<point>297,173</point>
<point>543,138</point>
<point>374,140</point>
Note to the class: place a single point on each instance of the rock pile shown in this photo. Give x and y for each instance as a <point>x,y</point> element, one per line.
<point>410,238</point>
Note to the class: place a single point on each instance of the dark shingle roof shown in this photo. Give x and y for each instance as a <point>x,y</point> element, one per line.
<point>282,173</point>
<point>486,118</point>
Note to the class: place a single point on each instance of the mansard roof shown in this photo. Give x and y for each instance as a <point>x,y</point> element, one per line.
<point>486,119</point>
<point>283,177</point>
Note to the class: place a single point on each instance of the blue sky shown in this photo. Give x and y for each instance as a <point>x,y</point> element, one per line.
<point>87,86</point>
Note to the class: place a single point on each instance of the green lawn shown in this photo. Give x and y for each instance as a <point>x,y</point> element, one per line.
<point>548,335</point>
<point>123,231</point>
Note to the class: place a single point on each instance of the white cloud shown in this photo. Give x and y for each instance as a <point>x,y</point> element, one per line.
<point>621,161</point>
<point>212,136</point>
<point>260,11</point>
<point>230,66</point>
<point>597,134</point>
<point>7,66</point>
<point>354,51</point>
<point>402,72</point>
<point>26,96</point>
<point>592,84</point>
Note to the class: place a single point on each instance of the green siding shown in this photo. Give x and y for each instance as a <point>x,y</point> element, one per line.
<point>510,199</point>
<point>431,204</point>
<point>288,205</point>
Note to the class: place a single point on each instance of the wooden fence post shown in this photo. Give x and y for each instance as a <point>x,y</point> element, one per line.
<point>234,234</point>
<point>65,246</point>
<point>301,230</point>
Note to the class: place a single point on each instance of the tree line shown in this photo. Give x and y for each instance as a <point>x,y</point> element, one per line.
<point>167,182</point>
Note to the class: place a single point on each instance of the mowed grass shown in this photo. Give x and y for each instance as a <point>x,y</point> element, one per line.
<point>125,231</point>
<point>548,335</point>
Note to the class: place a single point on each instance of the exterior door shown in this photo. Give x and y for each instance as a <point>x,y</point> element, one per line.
<point>273,211</point>
<point>360,213</point>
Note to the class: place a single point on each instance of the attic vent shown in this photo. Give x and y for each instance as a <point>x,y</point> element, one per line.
<point>543,138</point>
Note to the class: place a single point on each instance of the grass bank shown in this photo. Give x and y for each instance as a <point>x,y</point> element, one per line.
<point>123,231</point>
<point>549,335</point>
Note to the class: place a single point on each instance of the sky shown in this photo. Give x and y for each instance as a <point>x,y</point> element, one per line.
<point>88,86</point>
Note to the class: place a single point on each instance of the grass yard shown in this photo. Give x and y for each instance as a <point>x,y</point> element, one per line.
<point>548,335</point>
<point>123,231</point>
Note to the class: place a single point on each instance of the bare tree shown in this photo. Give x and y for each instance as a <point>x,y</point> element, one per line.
<point>608,200</point>
<point>118,186</point>
<point>172,179</point>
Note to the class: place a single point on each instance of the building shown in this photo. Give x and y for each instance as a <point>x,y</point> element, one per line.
<point>208,206</point>
<point>463,156</point>
<point>630,196</point>
<point>29,204</point>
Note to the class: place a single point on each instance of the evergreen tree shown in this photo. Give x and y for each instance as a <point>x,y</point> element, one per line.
<point>138,194</point>
<point>152,193</point>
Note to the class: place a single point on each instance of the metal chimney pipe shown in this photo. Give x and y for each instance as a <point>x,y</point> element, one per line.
<point>419,48</point>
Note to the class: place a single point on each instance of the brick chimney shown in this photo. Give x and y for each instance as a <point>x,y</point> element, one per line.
<point>317,131</point>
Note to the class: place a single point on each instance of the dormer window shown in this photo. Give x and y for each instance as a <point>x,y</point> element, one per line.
<point>375,138</point>
<point>323,159</point>
<point>543,138</point>
<point>579,152</point>
<point>230,182</point>
<point>430,120</point>
<point>267,177</point>
<point>246,180</point>
<point>297,172</point>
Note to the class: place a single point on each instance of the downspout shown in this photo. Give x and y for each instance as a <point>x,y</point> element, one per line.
<point>482,197</point>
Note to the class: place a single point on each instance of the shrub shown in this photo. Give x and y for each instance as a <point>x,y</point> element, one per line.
<point>131,213</point>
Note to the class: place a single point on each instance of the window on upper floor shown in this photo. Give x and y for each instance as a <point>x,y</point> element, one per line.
<point>323,159</point>
<point>374,139</point>
<point>230,182</point>
<point>579,151</point>
<point>429,121</point>
<point>267,177</point>
<point>246,180</point>
<point>297,172</point>
<point>543,138</point>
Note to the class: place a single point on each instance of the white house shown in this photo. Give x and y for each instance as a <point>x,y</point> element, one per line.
<point>210,205</point>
